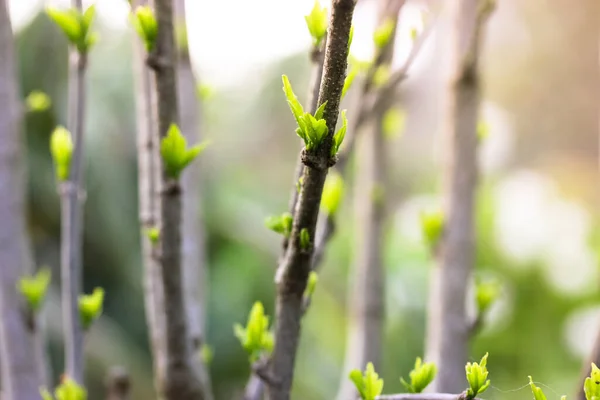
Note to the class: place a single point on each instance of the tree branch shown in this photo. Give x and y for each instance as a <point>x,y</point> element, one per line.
<point>448,327</point>
<point>295,267</point>
<point>72,199</point>
<point>19,372</point>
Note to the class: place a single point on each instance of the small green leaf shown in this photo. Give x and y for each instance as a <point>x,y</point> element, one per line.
<point>320,111</point>
<point>34,288</point>
<point>67,21</point>
<point>591,386</point>
<point>333,191</point>
<point>311,284</point>
<point>61,148</point>
<point>383,33</point>
<point>153,235</point>
<point>369,386</point>
<point>432,227</point>
<point>420,377</point>
<point>338,137</point>
<point>292,100</point>
<point>316,22</point>
<point>70,390</point>
<point>393,123</point>
<point>350,79</point>
<point>206,354</point>
<point>145,24</point>
<point>90,307</point>
<point>174,152</point>
<point>255,338</point>
<point>304,239</point>
<point>537,392</point>
<point>38,101</point>
<point>477,377</point>
<point>486,293</point>
<point>281,224</point>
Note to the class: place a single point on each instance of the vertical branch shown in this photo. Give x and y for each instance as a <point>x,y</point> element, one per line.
<point>72,196</point>
<point>181,380</point>
<point>194,262</point>
<point>19,376</point>
<point>448,329</point>
<point>296,264</point>
<point>367,297</point>
<point>148,178</point>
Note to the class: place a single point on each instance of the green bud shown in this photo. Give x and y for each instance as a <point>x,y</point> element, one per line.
<point>591,386</point>
<point>67,390</point>
<point>338,137</point>
<point>432,227</point>
<point>281,224</point>
<point>61,148</point>
<point>486,293</point>
<point>255,338</point>
<point>537,392</point>
<point>333,191</point>
<point>34,288</point>
<point>393,123</point>
<point>38,101</point>
<point>420,377</point>
<point>90,307</point>
<point>175,154</point>
<point>145,24</point>
<point>304,239</point>
<point>295,106</point>
<point>369,386</point>
<point>316,22</point>
<point>477,377</point>
<point>75,26</point>
<point>153,235</point>
<point>383,33</point>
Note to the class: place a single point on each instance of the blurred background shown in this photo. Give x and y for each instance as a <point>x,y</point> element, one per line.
<point>538,215</point>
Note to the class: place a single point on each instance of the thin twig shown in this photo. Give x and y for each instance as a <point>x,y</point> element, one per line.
<point>295,267</point>
<point>20,379</point>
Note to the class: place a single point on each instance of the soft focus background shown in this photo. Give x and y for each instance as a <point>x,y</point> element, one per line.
<point>538,230</point>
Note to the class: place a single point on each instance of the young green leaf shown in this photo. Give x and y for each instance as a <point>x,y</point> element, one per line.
<point>432,227</point>
<point>295,106</point>
<point>153,234</point>
<point>420,377</point>
<point>338,137</point>
<point>75,26</point>
<point>70,390</point>
<point>393,123</point>
<point>34,288</point>
<point>90,307</point>
<point>486,293</point>
<point>313,278</point>
<point>591,387</point>
<point>350,79</point>
<point>383,33</point>
<point>333,191</point>
<point>537,392</point>
<point>38,101</point>
<point>369,386</point>
<point>304,239</point>
<point>281,224</point>
<point>145,24</point>
<point>320,111</point>
<point>255,338</point>
<point>477,377</point>
<point>175,154</point>
<point>61,148</point>
<point>316,22</point>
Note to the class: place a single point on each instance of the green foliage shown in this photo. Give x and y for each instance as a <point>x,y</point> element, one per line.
<point>153,235</point>
<point>311,284</point>
<point>486,293</point>
<point>420,377</point>
<point>383,33</point>
<point>34,288</point>
<point>145,24</point>
<point>432,227</point>
<point>311,129</point>
<point>393,123</point>
<point>477,377</point>
<point>537,392</point>
<point>255,338</point>
<point>38,101</point>
<point>333,191</point>
<point>382,75</point>
<point>316,22</point>
<point>67,390</point>
<point>338,137</point>
<point>90,307</point>
<point>304,239</point>
<point>175,154</point>
<point>350,79</point>
<point>206,353</point>
<point>61,148</point>
<point>281,224</point>
<point>369,385</point>
<point>591,386</point>
<point>76,26</point>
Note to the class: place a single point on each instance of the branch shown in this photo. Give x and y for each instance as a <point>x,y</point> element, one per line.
<point>295,267</point>
<point>20,379</point>
<point>118,384</point>
<point>181,379</point>
<point>72,198</point>
<point>424,396</point>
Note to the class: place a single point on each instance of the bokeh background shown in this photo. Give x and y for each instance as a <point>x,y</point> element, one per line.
<point>538,212</point>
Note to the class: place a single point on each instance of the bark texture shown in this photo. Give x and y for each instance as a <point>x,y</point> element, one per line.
<point>448,325</point>
<point>296,264</point>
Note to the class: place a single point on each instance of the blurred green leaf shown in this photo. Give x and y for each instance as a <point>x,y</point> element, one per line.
<point>477,374</point>
<point>394,122</point>
<point>61,148</point>
<point>420,376</point>
<point>34,288</point>
<point>90,307</point>
<point>333,191</point>
<point>255,338</point>
<point>316,22</point>
<point>38,101</point>
<point>383,33</point>
<point>175,154</point>
<point>281,224</point>
<point>369,386</point>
